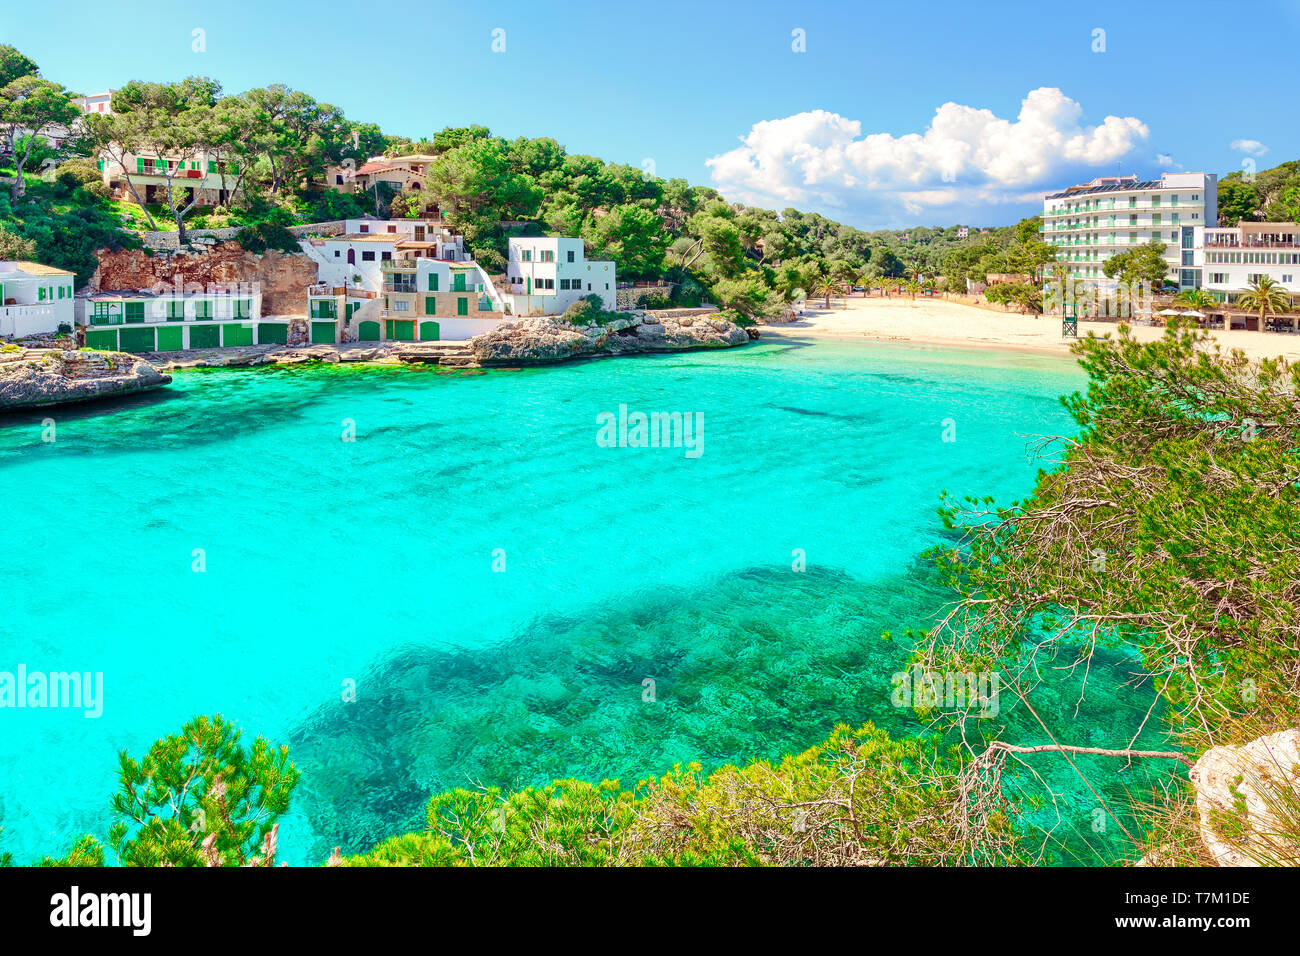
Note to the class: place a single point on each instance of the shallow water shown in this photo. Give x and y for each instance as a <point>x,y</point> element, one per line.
<point>498,585</point>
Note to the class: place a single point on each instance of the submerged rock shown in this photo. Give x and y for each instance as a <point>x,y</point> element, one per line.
<point>550,339</point>
<point>31,378</point>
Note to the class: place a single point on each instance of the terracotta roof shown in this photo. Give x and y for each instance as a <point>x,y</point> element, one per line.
<point>414,244</point>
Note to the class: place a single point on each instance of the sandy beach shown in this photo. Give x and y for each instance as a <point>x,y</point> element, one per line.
<point>939,322</point>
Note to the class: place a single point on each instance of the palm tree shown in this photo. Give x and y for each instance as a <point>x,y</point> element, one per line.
<point>1268,297</point>
<point>827,288</point>
<point>865,281</point>
<point>1195,299</point>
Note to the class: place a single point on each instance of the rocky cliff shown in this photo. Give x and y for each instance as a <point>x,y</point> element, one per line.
<point>537,340</point>
<point>283,276</point>
<point>31,378</point>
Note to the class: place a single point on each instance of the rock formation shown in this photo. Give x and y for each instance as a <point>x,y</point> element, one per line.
<point>31,378</point>
<point>1237,798</point>
<point>537,340</point>
<point>283,276</point>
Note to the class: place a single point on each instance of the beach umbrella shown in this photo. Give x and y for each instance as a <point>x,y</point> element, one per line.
<point>1193,314</point>
<point>1170,312</point>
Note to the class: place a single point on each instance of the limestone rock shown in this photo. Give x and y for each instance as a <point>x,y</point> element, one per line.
<point>549,339</point>
<point>37,377</point>
<point>282,276</point>
<point>1234,789</point>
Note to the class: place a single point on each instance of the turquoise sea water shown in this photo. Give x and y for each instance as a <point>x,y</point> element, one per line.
<point>498,586</point>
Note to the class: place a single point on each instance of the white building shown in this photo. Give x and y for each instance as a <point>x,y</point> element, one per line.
<point>95,102</point>
<point>199,173</point>
<point>34,299</point>
<point>356,258</point>
<point>404,280</point>
<point>545,275</point>
<point>1094,221</point>
<point>1231,259</point>
<point>174,319</point>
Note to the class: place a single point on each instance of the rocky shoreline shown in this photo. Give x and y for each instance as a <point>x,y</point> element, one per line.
<point>531,341</point>
<point>536,341</point>
<point>33,378</point>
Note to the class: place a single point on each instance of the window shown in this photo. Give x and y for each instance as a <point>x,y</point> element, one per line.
<point>433,282</point>
<point>338,179</point>
<point>386,256</point>
<point>336,253</point>
<point>548,255</point>
<point>368,256</point>
<point>401,305</point>
<point>430,305</point>
<point>525,255</point>
<point>570,255</point>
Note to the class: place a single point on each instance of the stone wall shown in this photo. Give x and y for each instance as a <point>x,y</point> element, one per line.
<point>631,298</point>
<point>283,277</point>
<point>170,241</point>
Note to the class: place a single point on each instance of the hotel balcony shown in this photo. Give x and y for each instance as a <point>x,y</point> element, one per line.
<point>1250,242</point>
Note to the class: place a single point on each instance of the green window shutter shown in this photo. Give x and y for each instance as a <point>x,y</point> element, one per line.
<point>135,312</point>
<point>139,164</point>
<point>433,282</point>
<point>462,306</point>
<point>430,304</point>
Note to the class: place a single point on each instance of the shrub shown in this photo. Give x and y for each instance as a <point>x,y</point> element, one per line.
<point>589,310</point>
<point>261,236</point>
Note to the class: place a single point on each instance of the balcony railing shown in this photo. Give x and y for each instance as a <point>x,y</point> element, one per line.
<point>1252,244</point>
<point>397,265</point>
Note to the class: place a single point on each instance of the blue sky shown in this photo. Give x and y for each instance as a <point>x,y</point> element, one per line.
<point>718,94</point>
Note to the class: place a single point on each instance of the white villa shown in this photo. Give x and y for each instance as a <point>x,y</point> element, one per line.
<point>1093,221</point>
<point>34,299</point>
<point>404,280</point>
<point>546,275</point>
<point>149,175</point>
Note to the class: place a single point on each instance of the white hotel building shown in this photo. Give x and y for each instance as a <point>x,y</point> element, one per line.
<point>1093,221</point>
<point>1231,259</point>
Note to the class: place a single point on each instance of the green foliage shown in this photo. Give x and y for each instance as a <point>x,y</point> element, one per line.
<point>589,310</point>
<point>63,230</point>
<point>1168,527</point>
<point>268,235</point>
<point>1270,195</point>
<point>1026,296</point>
<point>1146,263</point>
<point>858,798</point>
<point>201,797</point>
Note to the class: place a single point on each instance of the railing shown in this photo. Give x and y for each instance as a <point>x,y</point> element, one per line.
<point>397,265</point>
<point>1251,244</point>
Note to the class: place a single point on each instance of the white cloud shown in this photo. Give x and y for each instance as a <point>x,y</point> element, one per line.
<point>1252,147</point>
<point>966,157</point>
<point>1167,161</point>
